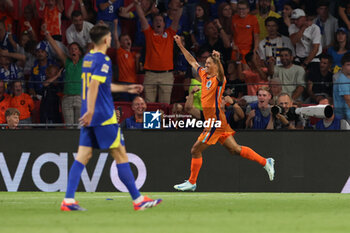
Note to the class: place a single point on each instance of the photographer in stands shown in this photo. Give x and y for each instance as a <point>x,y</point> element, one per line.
<point>284,116</point>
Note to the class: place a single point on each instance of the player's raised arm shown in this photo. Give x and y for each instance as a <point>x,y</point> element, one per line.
<point>190,59</point>
<point>216,58</point>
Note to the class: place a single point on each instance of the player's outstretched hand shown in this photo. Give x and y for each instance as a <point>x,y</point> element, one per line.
<point>86,119</point>
<point>135,89</point>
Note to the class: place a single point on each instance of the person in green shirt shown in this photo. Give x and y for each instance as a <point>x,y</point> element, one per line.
<point>71,102</point>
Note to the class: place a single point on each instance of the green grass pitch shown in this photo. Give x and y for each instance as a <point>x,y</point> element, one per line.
<point>180,212</point>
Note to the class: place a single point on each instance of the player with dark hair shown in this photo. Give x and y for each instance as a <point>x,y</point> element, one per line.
<point>213,86</point>
<point>99,122</point>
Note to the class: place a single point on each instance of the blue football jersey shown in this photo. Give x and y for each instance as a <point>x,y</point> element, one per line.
<point>98,66</point>
<point>111,12</point>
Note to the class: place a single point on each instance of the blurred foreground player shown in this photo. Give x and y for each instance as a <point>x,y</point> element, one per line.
<point>213,86</point>
<point>99,122</point>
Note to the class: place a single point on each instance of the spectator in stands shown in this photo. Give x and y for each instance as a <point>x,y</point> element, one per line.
<point>283,119</point>
<point>139,106</point>
<point>181,65</point>
<point>341,90</point>
<point>108,11</point>
<point>233,112</point>
<point>259,113</point>
<point>71,102</point>
<point>320,83</point>
<point>82,10</point>
<point>217,39</point>
<point>271,45</point>
<point>341,46</point>
<point>291,76</point>
<point>149,8</point>
<point>12,118</point>
<point>197,28</point>
<point>29,22</point>
<point>225,18</point>
<point>4,38</point>
<point>50,103</point>
<point>190,106</point>
<point>183,25</point>
<point>254,75</point>
<point>263,13</point>
<point>307,40</point>
<point>190,9</point>
<point>9,71</point>
<point>6,12</point>
<point>23,102</point>
<point>245,28</point>
<point>38,74</point>
<point>79,31</point>
<point>235,86</point>
<point>327,23</point>
<point>159,66</point>
<point>4,102</point>
<point>275,89</point>
<point>52,11</point>
<point>333,122</point>
<point>26,47</point>
<point>344,14</point>
<point>127,62</point>
<point>286,20</point>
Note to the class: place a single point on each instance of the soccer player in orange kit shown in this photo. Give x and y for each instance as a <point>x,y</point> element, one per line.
<point>213,86</point>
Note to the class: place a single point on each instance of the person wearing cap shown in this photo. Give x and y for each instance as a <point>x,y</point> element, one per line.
<point>38,74</point>
<point>340,47</point>
<point>327,23</point>
<point>307,40</point>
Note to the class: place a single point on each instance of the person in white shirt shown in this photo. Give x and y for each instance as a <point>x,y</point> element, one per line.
<point>327,23</point>
<point>307,40</point>
<point>271,46</point>
<point>79,31</point>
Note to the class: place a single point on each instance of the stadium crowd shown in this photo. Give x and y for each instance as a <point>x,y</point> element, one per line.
<point>287,53</point>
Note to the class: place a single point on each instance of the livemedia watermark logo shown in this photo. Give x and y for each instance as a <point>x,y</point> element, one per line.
<point>157,120</point>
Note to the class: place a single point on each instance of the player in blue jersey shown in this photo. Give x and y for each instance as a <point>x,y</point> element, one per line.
<point>99,122</point>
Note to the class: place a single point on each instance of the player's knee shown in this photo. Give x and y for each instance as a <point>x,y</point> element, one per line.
<point>84,159</point>
<point>235,150</point>
<point>194,151</point>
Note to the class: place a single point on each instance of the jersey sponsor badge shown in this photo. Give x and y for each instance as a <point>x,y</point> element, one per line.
<point>105,68</point>
<point>208,84</point>
<point>165,35</point>
<point>247,26</point>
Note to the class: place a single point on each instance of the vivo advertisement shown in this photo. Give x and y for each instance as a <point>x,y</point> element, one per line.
<point>39,160</point>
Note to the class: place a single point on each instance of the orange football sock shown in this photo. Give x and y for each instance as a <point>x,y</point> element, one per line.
<point>248,153</point>
<point>196,165</point>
